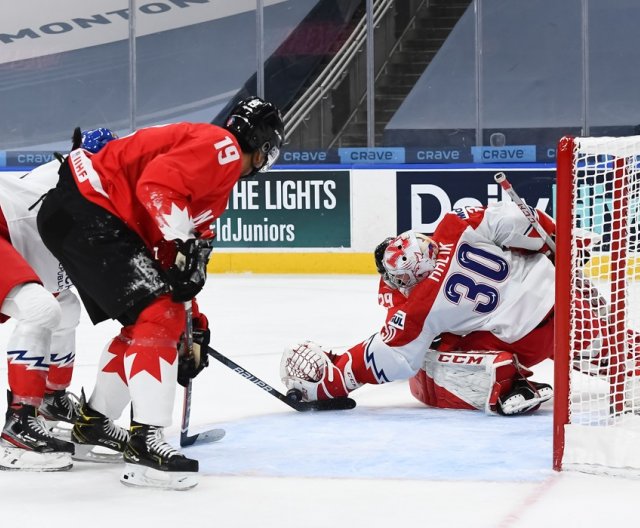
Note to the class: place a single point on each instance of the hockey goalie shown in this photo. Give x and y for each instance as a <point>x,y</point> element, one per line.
<point>469,312</point>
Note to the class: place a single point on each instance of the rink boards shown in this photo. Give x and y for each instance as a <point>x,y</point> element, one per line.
<point>328,219</point>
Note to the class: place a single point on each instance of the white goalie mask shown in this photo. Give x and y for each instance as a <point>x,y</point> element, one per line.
<point>409,258</point>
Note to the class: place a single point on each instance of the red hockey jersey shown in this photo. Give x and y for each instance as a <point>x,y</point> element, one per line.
<point>165,182</point>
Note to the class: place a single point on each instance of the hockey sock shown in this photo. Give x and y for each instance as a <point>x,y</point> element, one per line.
<point>111,393</point>
<point>27,363</point>
<point>63,343</point>
<point>59,378</point>
<point>151,361</point>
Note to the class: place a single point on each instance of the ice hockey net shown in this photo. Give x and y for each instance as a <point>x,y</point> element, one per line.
<point>597,393</point>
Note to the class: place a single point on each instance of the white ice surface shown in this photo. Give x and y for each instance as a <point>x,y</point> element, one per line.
<point>390,462</point>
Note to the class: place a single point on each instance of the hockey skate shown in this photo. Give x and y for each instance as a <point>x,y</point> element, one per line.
<point>97,437</point>
<point>60,410</point>
<point>525,397</point>
<point>152,463</point>
<point>60,406</point>
<point>27,444</point>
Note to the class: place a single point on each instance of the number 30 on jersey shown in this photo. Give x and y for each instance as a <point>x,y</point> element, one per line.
<point>463,286</point>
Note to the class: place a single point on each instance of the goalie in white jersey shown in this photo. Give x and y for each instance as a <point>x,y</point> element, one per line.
<point>483,288</point>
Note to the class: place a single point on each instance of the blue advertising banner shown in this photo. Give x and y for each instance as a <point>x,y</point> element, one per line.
<point>424,197</point>
<point>372,155</point>
<point>507,154</point>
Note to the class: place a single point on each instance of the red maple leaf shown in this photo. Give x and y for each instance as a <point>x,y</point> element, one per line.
<point>116,364</point>
<point>148,359</point>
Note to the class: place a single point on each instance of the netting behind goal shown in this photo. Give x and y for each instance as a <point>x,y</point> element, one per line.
<point>597,390</point>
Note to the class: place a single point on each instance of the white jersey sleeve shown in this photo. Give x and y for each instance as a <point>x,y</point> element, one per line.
<point>20,198</point>
<point>506,226</point>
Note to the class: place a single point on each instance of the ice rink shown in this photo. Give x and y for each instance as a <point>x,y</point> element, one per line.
<point>389,462</point>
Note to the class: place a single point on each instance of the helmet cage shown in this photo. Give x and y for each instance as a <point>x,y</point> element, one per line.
<point>408,259</point>
<point>270,159</point>
<point>378,254</point>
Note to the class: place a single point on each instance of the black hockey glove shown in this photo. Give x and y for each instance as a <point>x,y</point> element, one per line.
<point>190,365</point>
<point>189,272</point>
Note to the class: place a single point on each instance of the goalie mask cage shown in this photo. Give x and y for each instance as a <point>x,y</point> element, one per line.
<point>597,388</point>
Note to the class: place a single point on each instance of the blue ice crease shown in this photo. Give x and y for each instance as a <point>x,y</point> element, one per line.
<point>390,443</point>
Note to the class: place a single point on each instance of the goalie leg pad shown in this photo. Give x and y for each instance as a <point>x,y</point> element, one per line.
<point>457,380</point>
<point>425,389</point>
<point>481,380</point>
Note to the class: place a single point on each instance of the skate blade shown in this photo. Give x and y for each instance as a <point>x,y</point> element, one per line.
<point>61,430</point>
<point>522,406</point>
<point>138,476</point>
<point>98,454</point>
<point>17,459</point>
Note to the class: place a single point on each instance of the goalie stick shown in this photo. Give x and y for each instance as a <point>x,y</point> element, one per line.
<point>501,179</point>
<point>596,297</point>
<point>292,398</point>
<point>206,437</point>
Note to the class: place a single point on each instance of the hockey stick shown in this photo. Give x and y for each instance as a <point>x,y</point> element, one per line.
<point>292,399</point>
<point>501,179</point>
<point>597,300</point>
<point>213,435</point>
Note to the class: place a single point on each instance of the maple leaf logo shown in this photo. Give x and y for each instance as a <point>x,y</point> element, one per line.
<point>178,224</point>
<point>116,365</point>
<point>149,360</point>
<point>118,347</point>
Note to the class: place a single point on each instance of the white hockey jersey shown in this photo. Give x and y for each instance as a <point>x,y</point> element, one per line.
<point>20,198</point>
<point>483,281</point>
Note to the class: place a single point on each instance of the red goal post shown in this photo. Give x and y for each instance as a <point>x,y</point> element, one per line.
<point>597,387</point>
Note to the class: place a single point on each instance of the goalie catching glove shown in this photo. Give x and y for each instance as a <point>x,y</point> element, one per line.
<point>188,273</point>
<point>316,373</point>
<point>191,363</point>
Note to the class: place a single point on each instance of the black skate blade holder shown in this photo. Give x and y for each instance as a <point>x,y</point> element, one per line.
<point>293,398</point>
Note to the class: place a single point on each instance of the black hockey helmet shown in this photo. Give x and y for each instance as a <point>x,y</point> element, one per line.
<point>378,253</point>
<point>257,125</point>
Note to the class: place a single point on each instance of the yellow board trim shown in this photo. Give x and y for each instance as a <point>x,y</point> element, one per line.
<point>599,267</point>
<point>353,263</point>
<point>345,263</point>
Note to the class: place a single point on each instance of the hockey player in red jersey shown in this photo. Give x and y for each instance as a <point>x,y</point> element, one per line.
<point>130,226</point>
<point>34,292</point>
<point>481,283</point>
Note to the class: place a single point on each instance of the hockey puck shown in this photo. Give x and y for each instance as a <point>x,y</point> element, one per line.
<point>294,395</point>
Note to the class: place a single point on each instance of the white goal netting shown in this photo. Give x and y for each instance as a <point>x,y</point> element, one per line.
<point>598,266</point>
